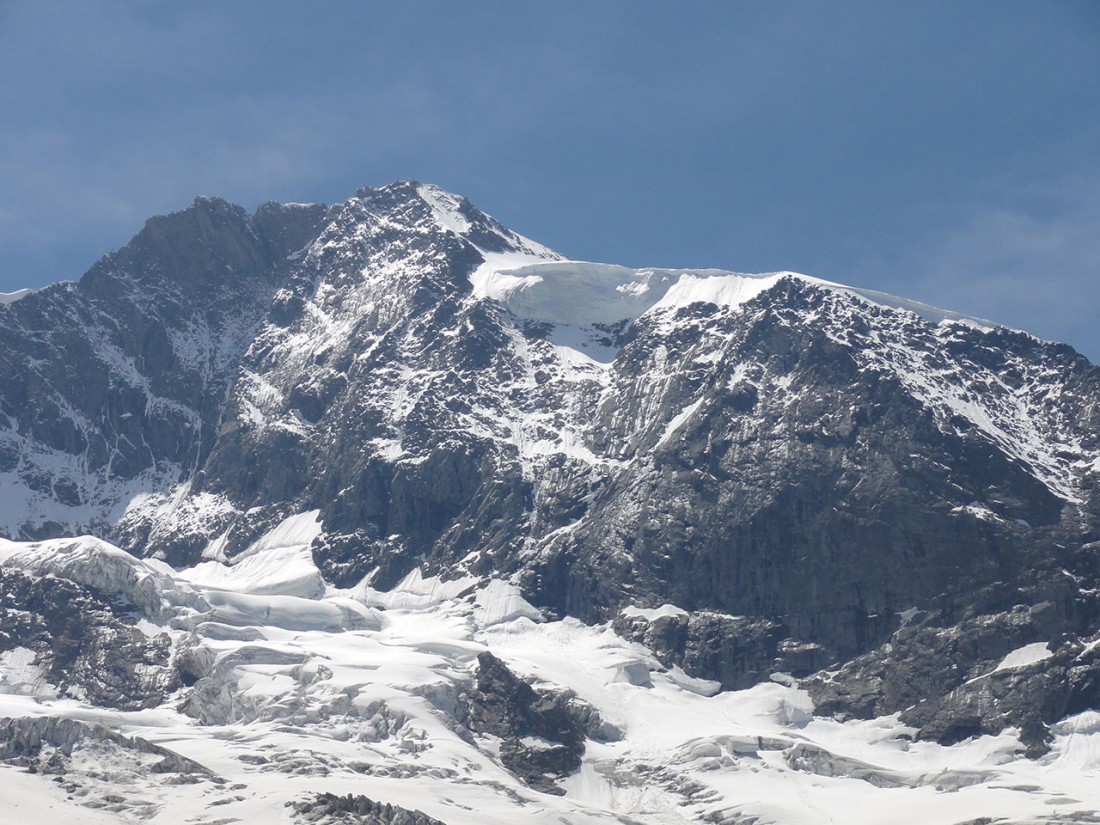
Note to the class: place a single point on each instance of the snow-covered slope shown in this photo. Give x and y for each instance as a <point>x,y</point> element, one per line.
<point>12,297</point>
<point>585,294</point>
<point>377,702</point>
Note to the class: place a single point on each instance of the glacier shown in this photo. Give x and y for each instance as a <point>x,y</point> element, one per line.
<point>364,702</point>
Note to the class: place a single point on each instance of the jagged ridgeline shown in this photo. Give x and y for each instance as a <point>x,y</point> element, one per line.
<point>749,474</point>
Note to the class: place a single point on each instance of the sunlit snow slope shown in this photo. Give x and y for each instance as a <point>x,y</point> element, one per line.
<point>366,692</point>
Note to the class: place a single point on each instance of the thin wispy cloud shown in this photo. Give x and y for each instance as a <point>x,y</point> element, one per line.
<point>1037,270</point>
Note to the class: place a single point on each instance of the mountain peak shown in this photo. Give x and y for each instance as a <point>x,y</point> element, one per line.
<point>397,402</point>
<point>428,205</point>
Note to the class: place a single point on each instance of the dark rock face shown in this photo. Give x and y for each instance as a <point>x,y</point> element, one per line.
<point>794,472</point>
<point>85,645</point>
<point>834,499</point>
<point>542,733</point>
<point>115,384</point>
<point>330,809</point>
<point>946,682</point>
<point>734,650</point>
<point>25,740</point>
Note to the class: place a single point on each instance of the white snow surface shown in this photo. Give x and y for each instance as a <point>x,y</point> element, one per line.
<point>278,563</point>
<point>1026,655</point>
<point>351,691</point>
<point>581,293</point>
<point>28,799</point>
<point>12,297</point>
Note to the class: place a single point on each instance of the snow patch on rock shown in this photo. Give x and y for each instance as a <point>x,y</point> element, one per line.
<point>500,602</point>
<point>95,563</point>
<point>654,613</point>
<point>12,297</point>
<point>1024,656</point>
<point>21,675</point>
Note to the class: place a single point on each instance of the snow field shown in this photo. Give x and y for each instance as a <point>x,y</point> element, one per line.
<point>354,691</point>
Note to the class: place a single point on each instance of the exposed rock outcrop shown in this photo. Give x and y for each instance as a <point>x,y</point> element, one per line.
<point>330,809</point>
<point>81,643</point>
<point>542,732</point>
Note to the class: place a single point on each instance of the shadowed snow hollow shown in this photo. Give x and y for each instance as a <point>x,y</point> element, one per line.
<point>278,564</point>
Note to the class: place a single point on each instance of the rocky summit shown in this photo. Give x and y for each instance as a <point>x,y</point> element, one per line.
<point>381,512</point>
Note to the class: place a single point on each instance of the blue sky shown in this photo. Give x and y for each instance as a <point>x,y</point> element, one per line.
<point>940,150</point>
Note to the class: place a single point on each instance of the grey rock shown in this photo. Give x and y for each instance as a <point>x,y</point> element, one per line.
<point>542,732</point>
<point>944,682</point>
<point>737,651</point>
<point>356,809</point>
<point>22,741</point>
<point>121,376</point>
<point>85,644</point>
